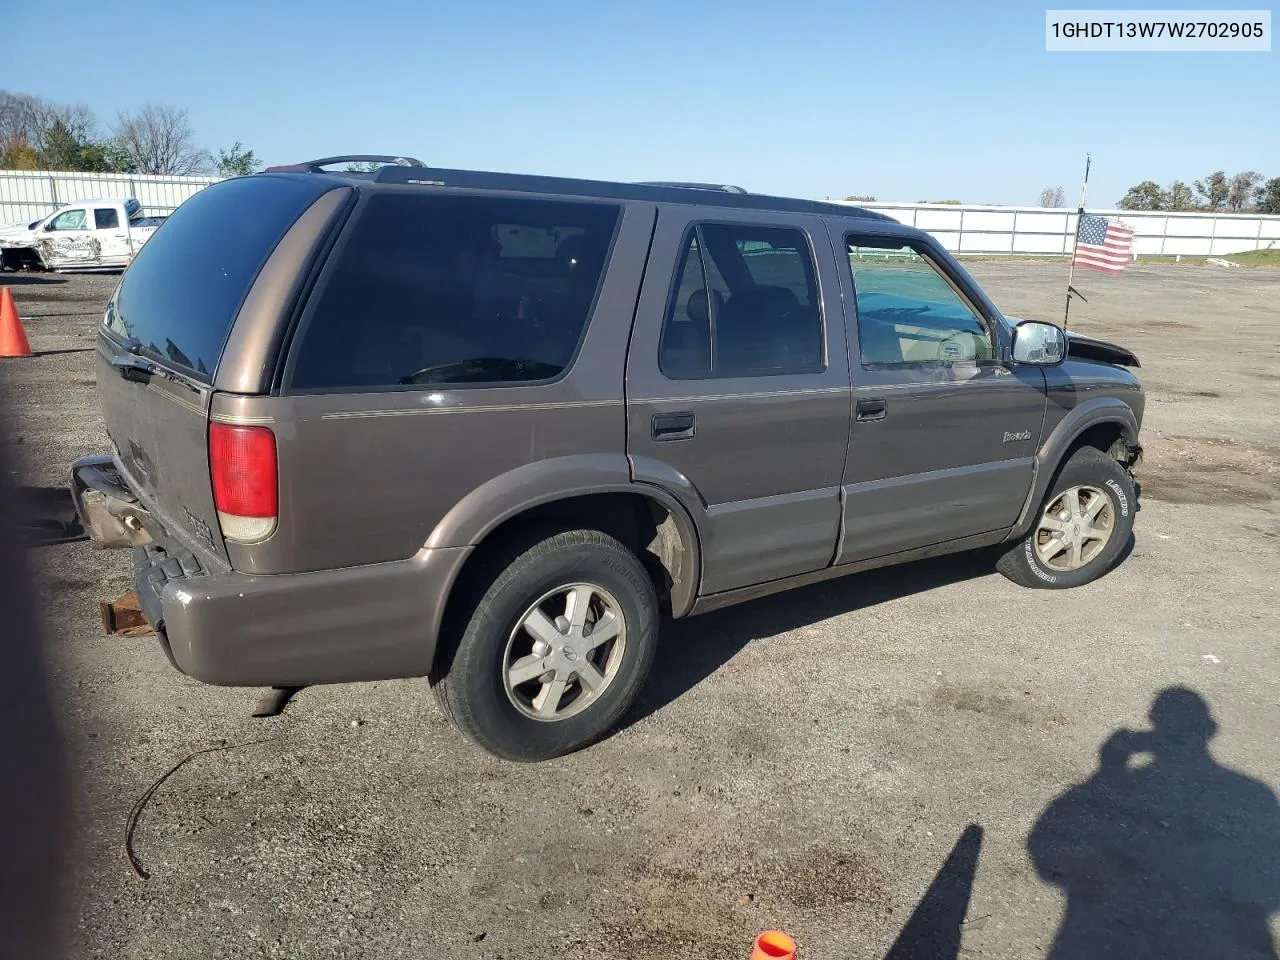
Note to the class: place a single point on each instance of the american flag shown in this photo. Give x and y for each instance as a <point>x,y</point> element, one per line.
<point>1102,244</point>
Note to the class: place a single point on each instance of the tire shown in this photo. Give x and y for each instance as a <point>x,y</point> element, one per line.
<point>1091,474</point>
<point>551,571</point>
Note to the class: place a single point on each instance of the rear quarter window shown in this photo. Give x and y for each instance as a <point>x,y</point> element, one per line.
<point>435,289</point>
<point>180,296</point>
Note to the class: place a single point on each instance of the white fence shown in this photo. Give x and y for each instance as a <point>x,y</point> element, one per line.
<point>31,194</point>
<point>972,228</point>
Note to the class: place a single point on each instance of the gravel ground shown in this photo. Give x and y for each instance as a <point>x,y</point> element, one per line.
<point>809,761</point>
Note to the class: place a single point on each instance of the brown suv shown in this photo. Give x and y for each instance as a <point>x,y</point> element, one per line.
<point>489,429</point>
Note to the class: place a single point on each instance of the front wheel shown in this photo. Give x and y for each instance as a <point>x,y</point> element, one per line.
<point>557,648</point>
<point>1082,528</point>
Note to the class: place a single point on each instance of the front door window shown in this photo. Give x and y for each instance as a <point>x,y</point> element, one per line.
<point>908,312</point>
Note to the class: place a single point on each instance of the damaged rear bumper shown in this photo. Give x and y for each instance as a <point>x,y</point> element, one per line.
<point>372,622</point>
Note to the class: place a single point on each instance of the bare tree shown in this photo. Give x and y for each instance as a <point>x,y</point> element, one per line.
<point>1052,197</point>
<point>158,139</point>
<point>29,120</point>
<point>17,117</point>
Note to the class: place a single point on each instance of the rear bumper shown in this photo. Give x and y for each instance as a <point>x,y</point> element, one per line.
<point>373,622</point>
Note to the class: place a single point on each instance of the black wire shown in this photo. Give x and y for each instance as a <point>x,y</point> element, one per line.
<point>135,813</point>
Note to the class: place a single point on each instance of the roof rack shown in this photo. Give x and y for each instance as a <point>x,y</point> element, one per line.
<point>718,196</point>
<point>725,187</point>
<point>317,166</point>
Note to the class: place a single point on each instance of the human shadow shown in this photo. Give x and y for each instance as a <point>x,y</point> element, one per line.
<point>933,931</point>
<point>706,642</point>
<point>46,515</point>
<point>1174,858</point>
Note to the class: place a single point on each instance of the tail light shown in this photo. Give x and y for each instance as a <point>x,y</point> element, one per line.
<point>242,463</point>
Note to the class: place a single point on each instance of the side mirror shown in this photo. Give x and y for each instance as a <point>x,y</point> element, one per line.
<point>1040,343</point>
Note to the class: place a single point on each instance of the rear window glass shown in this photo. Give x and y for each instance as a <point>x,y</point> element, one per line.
<point>187,282</point>
<point>433,289</point>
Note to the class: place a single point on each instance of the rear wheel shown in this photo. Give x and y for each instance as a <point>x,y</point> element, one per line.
<point>557,646</point>
<point>1081,529</point>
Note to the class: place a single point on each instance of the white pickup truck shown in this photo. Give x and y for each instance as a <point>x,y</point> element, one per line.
<point>85,235</point>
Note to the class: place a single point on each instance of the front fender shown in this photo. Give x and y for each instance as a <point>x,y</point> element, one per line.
<point>1055,446</point>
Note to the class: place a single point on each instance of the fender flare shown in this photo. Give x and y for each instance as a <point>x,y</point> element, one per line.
<point>1054,447</point>
<point>510,494</point>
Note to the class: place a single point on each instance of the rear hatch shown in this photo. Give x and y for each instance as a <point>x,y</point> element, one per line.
<point>163,336</point>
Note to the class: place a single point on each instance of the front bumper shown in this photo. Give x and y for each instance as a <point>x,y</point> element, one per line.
<point>373,622</point>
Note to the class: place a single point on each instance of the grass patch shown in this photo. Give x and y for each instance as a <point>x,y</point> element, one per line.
<point>1257,258</point>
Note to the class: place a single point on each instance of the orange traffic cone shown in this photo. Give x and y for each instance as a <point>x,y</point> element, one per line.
<point>774,945</point>
<point>13,339</point>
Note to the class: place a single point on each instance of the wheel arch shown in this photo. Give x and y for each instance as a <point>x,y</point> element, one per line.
<point>1102,422</point>
<point>594,491</point>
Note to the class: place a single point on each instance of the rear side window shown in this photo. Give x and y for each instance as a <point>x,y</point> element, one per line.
<point>744,304</point>
<point>430,289</point>
<point>186,284</point>
<point>105,218</point>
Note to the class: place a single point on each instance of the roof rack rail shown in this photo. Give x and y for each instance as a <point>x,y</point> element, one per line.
<point>724,187</point>
<point>317,166</point>
<point>717,195</point>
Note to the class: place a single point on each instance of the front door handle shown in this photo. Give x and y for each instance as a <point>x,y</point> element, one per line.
<point>872,408</point>
<point>672,426</point>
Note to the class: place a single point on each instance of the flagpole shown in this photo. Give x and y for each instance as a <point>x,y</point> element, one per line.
<point>1071,270</point>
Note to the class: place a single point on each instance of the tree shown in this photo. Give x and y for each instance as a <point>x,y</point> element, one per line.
<point>1214,190</point>
<point>1241,188</point>
<point>1145,196</point>
<point>1267,196</point>
<point>117,156</point>
<point>1179,197</point>
<point>861,199</point>
<point>1052,197</point>
<point>17,118</point>
<point>50,135</point>
<point>63,150</point>
<point>158,139</point>
<point>17,155</point>
<point>236,162</point>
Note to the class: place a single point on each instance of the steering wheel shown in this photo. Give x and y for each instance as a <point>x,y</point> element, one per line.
<point>958,346</point>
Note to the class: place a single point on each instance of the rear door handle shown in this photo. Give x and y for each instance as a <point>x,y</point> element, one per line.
<point>873,408</point>
<point>672,426</point>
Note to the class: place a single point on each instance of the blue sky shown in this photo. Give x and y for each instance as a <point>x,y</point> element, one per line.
<point>905,101</point>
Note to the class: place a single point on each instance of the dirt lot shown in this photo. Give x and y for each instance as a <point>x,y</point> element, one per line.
<point>807,761</point>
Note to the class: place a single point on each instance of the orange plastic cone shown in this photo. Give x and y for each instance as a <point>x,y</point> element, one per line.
<point>13,339</point>
<point>774,945</point>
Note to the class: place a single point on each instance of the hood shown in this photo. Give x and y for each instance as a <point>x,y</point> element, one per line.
<point>17,235</point>
<point>1087,348</point>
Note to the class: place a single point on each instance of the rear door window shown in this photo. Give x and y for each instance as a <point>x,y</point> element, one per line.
<point>181,295</point>
<point>744,304</point>
<point>430,289</point>
<point>105,218</point>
